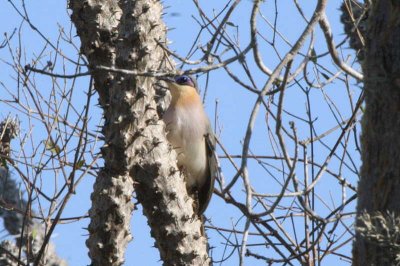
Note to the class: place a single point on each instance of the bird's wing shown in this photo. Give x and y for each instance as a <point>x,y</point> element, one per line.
<point>213,168</point>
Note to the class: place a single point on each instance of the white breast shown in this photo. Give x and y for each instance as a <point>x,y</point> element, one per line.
<point>185,131</point>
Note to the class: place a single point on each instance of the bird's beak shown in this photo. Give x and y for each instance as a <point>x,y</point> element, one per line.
<point>171,83</point>
<point>167,79</point>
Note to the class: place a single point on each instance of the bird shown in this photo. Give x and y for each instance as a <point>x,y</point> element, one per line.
<point>189,132</point>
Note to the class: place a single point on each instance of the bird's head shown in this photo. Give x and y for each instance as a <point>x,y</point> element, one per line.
<point>182,88</point>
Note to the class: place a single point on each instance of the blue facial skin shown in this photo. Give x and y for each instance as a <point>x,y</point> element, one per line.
<point>184,80</point>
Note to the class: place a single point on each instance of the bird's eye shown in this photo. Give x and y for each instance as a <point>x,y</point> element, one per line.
<point>184,80</point>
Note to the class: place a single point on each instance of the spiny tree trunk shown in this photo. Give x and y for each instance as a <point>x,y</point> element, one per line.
<point>124,35</point>
<point>378,210</point>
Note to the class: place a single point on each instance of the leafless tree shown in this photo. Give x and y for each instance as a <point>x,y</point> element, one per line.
<point>287,189</point>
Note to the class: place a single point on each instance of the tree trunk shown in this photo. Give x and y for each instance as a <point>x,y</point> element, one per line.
<point>124,35</point>
<point>378,210</point>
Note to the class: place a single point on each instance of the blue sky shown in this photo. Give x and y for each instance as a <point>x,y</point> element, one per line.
<point>234,106</point>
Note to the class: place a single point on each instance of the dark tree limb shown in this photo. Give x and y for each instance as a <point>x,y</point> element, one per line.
<point>378,208</point>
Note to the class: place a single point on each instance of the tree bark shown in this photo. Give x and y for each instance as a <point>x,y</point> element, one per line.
<point>124,35</point>
<point>378,210</point>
